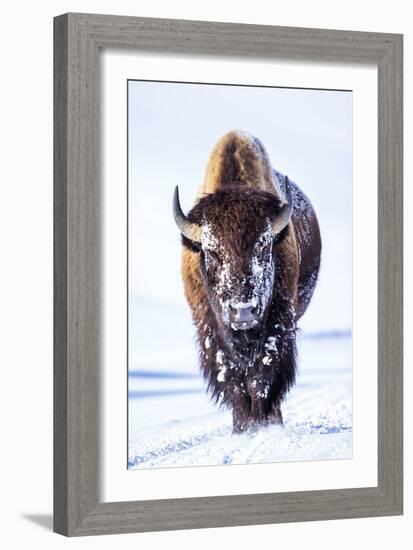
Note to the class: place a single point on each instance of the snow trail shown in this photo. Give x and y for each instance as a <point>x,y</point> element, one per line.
<point>172,423</point>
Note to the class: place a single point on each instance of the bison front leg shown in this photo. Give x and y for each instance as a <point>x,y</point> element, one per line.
<point>258,389</point>
<point>241,408</point>
<point>274,415</point>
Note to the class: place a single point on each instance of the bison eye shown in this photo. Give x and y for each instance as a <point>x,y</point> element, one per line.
<point>210,254</point>
<point>263,247</point>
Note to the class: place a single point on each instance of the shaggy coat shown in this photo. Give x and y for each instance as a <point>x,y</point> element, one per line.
<point>249,370</point>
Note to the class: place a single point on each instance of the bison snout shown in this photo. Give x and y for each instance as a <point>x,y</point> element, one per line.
<point>243,316</point>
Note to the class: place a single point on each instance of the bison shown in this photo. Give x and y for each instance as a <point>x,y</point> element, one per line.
<point>251,257</point>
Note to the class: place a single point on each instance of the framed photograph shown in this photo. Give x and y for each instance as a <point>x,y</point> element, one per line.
<point>228,274</point>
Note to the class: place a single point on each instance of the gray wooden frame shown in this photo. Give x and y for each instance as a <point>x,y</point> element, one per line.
<point>78,39</point>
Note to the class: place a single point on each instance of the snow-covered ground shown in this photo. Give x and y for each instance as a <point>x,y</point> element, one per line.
<point>173,423</point>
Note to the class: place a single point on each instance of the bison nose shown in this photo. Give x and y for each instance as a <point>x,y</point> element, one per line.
<point>242,313</point>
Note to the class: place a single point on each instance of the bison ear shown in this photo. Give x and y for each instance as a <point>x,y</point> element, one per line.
<point>194,246</point>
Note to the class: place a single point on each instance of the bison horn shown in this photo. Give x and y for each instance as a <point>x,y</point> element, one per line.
<point>191,231</point>
<point>282,219</point>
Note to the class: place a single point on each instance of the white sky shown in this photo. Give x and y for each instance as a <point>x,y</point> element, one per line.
<point>172,130</point>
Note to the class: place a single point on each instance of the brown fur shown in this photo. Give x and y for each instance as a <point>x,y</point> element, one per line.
<point>239,158</point>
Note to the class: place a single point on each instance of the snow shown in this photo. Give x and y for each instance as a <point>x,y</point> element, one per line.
<point>209,241</point>
<point>220,357</point>
<point>221,374</point>
<point>172,422</point>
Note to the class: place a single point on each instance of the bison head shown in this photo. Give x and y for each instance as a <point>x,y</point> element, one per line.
<point>234,231</point>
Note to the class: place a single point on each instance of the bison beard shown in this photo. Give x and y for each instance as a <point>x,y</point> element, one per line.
<point>233,259</point>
